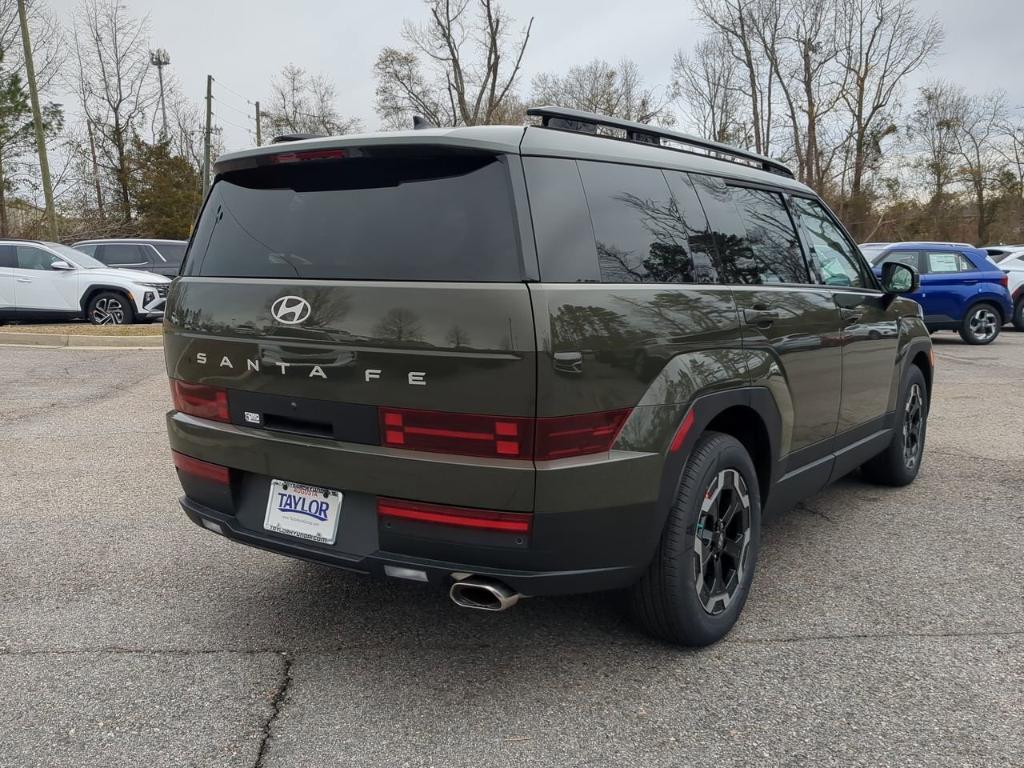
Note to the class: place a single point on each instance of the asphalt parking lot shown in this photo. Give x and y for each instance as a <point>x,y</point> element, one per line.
<point>885,626</point>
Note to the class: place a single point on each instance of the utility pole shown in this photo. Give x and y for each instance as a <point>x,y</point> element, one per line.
<point>160,58</point>
<point>259,119</point>
<point>206,137</point>
<point>37,118</point>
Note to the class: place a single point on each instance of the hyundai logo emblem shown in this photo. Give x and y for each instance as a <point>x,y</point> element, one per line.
<point>290,310</point>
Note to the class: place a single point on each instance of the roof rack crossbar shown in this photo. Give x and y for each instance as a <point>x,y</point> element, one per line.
<point>561,118</point>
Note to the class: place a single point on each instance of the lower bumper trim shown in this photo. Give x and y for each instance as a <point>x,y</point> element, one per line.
<point>527,583</point>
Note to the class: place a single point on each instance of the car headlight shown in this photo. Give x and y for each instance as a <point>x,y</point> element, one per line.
<point>154,286</point>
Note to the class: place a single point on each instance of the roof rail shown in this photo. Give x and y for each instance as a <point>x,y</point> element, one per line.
<point>286,137</point>
<point>564,119</point>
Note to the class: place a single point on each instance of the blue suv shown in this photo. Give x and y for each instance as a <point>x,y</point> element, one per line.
<point>961,289</point>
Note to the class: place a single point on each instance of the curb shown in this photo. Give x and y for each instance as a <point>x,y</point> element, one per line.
<point>79,341</point>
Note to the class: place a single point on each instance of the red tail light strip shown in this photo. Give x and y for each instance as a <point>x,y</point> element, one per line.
<point>481,519</point>
<point>501,436</point>
<point>578,435</point>
<point>309,154</point>
<point>457,433</point>
<point>200,400</point>
<point>202,469</point>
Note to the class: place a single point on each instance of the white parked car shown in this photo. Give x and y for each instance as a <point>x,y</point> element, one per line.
<point>50,281</point>
<point>1010,259</point>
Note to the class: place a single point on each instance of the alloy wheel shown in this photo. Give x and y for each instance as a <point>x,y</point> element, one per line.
<point>721,541</point>
<point>983,324</point>
<point>913,426</point>
<point>108,311</point>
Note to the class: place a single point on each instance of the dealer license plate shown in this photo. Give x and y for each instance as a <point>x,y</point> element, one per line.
<point>303,511</point>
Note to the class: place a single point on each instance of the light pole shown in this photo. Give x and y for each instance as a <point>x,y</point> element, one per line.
<point>160,58</point>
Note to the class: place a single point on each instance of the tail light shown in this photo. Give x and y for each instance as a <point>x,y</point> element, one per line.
<point>563,436</point>
<point>1005,280</point>
<point>462,517</point>
<point>202,469</point>
<point>459,433</point>
<point>504,437</point>
<point>308,154</point>
<point>200,400</point>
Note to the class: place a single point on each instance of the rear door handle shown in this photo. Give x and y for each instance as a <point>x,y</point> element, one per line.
<point>760,317</point>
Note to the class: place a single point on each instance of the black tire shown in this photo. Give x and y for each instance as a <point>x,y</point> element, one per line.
<point>1018,314</point>
<point>110,308</point>
<point>900,462</point>
<point>666,601</point>
<point>981,324</point>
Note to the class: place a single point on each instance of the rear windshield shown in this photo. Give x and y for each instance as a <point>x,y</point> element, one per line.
<point>422,218</point>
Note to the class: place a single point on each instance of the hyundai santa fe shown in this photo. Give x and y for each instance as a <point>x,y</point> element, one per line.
<point>508,362</point>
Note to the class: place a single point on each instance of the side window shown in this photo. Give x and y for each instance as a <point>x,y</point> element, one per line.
<point>8,257</point>
<point>757,241</point>
<point>34,258</point>
<point>735,256</point>
<point>910,258</point>
<point>833,257</point>
<point>639,233</point>
<point>940,263</point>
<point>702,264</point>
<point>89,248</point>
<point>561,221</point>
<point>116,254</point>
<point>172,253</point>
<point>772,235</point>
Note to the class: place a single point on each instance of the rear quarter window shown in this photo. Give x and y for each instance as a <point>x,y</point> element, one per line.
<point>445,218</point>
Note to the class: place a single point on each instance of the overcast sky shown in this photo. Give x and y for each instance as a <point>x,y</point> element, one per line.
<point>244,43</point>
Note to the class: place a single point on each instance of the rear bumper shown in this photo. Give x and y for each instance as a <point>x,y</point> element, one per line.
<point>438,573</point>
<point>595,523</point>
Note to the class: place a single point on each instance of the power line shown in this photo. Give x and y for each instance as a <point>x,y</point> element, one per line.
<point>232,90</point>
<point>233,108</point>
<point>235,125</point>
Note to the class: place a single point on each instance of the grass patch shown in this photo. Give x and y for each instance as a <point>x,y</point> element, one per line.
<point>86,329</point>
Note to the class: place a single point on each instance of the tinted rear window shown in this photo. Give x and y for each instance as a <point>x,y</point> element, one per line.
<point>449,218</point>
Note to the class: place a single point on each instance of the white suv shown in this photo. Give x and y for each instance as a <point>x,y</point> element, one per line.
<point>1010,259</point>
<point>40,280</point>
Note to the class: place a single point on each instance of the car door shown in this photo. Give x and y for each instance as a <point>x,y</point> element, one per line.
<point>791,321</point>
<point>7,264</point>
<point>946,285</point>
<point>870,326</point>
<point>40,288</point>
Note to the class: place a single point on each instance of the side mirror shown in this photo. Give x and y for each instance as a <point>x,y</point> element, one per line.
<point>62,265</point>
<point>899,278</point>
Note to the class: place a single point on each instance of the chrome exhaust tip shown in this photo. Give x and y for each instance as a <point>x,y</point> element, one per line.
<point>482,594</point>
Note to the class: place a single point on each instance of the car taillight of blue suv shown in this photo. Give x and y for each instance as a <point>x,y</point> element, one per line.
<point>961,289</point>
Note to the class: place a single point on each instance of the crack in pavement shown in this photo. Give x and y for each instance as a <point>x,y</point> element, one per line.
<point>276,703</point>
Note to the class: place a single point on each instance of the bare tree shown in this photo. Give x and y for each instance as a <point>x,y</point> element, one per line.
<point>735,21</point>
<point>706,84</point>
<point>882,41</point>
<point>934,123</point>
<point>617,91</point>
<point>977,130</point>
<point>304,103</point>
<point>114,85</point>
<point>460,69</point>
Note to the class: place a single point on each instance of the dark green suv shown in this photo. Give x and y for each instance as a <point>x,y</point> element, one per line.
<point>583,355</point>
